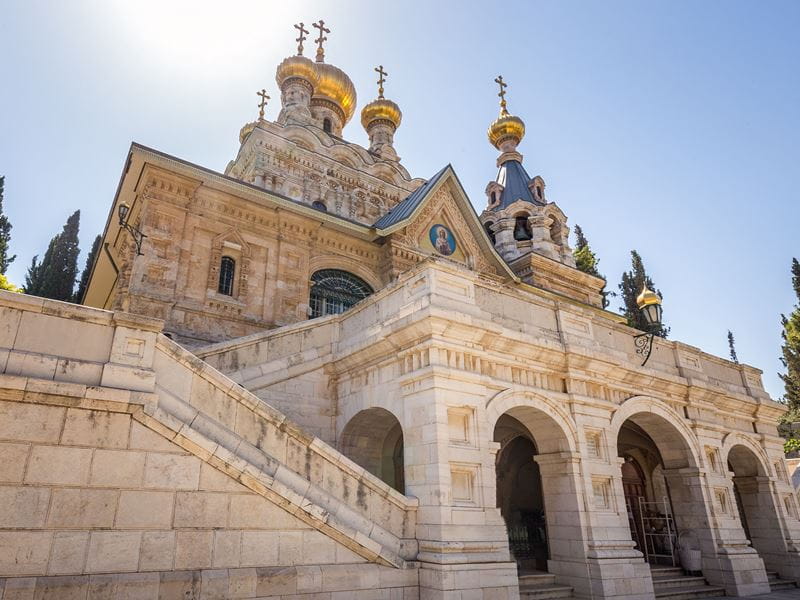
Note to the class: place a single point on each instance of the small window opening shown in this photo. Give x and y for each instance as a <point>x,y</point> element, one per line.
<point>539,192</point>
<point>522,228</point>
<point>319,205</point>
<point>488,227</point>
<point>326,125</point>
<point>227,267</point>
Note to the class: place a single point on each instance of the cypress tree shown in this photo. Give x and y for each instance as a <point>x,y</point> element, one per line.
<point>732,347</point>
<point>586,261</point>
<point>55,276</point>
<point>5,234</point>
<point>87,270</point>
<point>791,346</point>
<point>631,286</point>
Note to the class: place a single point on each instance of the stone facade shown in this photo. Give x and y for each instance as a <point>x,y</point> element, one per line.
<point>458,416</point>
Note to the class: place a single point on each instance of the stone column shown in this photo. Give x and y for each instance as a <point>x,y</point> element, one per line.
<point>727,562</point>
<point>505,243</point>
<point>541,241</point>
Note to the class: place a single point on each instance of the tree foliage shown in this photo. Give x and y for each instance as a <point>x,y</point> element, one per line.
<point>631,286</point>
<point>5,234</point>
<point>87,270</point>
<point>791,346</point>
<point>732,347</point>
<point>55,276</point>
<point>586,260</point>
<point>5,284</point>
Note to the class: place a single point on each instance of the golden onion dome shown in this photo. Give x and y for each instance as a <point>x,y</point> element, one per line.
<point>647,297</point>
<point>381,110</point>
<point>505,127</point>
<point>298,67</point>
<point>335,86</point>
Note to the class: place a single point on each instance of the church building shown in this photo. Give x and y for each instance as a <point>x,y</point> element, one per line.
<point>314,375</point>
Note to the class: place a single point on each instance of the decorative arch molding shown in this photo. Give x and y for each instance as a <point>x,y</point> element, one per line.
<point>509,400</point>
<point>344,263</point>
<point>645,404</point>
<point>733,439</point>
<point>230,243</point>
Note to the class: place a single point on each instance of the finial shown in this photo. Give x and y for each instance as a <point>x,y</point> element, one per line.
<point>322,31</point>
<point>382,75</point>
<point>303,33</point>
<point>263,95</point>
<point>499,81</point>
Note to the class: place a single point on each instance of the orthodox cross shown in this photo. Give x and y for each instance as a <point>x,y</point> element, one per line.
<point>499,81</point>
<point>322,31</point>
<point>382,75</point>
<point>263,103</point>
<point>303,33</point>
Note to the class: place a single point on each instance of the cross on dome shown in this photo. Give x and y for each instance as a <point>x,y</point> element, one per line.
<point>303,33</point>
<point>263,95</point>
<point>322,31</point>
<point>503,85</point>
<point>382,75</point>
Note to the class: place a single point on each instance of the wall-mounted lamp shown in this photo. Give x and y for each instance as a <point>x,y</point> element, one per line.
<point>123,212</point>
<point>650,305</point>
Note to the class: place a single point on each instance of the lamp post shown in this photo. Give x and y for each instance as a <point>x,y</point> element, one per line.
<point>650,305</point>
<point>123,211</point>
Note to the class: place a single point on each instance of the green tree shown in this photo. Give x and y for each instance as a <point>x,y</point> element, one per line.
<point>87,270</point>
<point>732,347</point>
<point>633,282</point>
<point>791,346</point>
<point>5,234</point>
<point>586,260</point>
<point>55,276</point>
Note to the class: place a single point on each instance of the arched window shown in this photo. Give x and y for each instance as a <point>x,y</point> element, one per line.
<point>227,268</point>
<point>326,125</point>
<point>319,206</point>
<point>334,291</point>
<point>522,228</point>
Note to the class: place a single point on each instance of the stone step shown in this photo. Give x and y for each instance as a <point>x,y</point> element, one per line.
<point>781,584</point>
<point>545,591</point>
<point>536,579</point>
<point>660,583</point>
<point>706,591</point>
<point>658,571</point>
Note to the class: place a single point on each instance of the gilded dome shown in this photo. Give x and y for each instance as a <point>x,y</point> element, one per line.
<point>381,109</point>
<point>299,67</point>
<point>335,86</point>
<point>504,127</point>
<point>647,297</point>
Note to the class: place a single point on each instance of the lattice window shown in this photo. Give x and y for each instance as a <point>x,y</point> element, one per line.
<point>334,291</point>
<point>227,269</point>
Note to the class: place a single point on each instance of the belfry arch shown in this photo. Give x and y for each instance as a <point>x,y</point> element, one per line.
<point>373,439</point>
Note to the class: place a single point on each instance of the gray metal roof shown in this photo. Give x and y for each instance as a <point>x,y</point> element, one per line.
<point>405,208</point>
<point>514,179</point>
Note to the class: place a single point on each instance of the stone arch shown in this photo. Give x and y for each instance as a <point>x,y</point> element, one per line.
<point>660,422</point>
<point>345,263</point>
<point>756,462</point>
<point>373,439</point>
<point>556,433</point>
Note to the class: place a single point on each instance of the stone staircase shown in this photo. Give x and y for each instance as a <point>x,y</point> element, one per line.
<point>669,583</point>
<point>776,583</point>
<point>541,586</point>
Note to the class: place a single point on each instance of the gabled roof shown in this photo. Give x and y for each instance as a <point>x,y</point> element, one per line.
<point>405,208</point>
<point>514,179</point>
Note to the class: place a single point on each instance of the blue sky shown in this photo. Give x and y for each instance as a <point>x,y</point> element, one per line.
<point>669,127</point>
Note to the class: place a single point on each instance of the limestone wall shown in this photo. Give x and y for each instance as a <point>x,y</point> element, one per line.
<point>125,469</point>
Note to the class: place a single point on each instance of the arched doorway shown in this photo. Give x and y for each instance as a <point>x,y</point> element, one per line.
<point>333,291</point>
<point>373,439</point>
<point>538,484</point>
<point>756,505</point>
<point>519,495</point>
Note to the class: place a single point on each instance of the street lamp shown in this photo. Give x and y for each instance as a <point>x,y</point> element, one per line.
<point>650,305</point>
<point>123,211</point>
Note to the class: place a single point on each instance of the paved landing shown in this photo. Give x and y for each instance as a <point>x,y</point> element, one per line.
<point>779,595</point>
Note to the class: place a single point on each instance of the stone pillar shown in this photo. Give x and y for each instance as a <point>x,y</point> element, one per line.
<point>541,241</point>
<point>463,544</point>
<point>505,243</point>
<point>767,532</point>
<point>727,562</point>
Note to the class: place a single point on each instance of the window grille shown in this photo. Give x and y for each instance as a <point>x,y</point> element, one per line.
<point>334,291</point>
